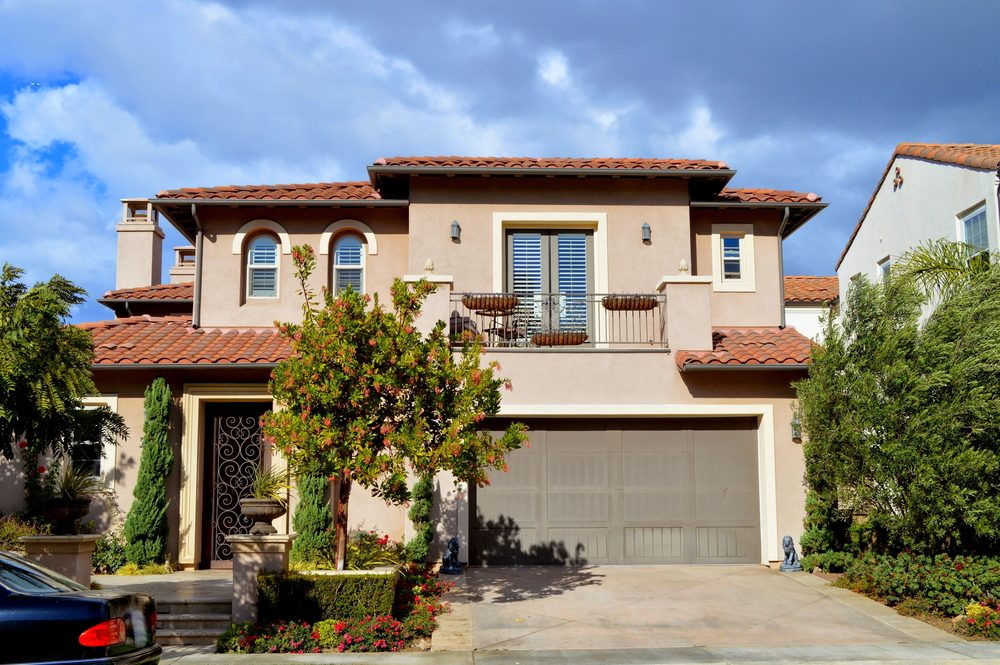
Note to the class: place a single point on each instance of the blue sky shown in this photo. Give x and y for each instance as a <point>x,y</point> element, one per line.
<point>101,101</point>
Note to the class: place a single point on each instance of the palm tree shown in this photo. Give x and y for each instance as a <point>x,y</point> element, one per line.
<point>942,267</point>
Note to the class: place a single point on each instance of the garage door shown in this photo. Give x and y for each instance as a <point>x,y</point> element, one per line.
<point>623,491</point>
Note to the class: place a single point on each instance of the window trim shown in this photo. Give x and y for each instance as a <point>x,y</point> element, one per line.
<point>257,225</point>
<point>327,238</point>
<point>747,282</point>
<point>551,221</point>
<point>961,218</point>
<point>334,265</point>
<point>248,266</point>
<point>883,267</point>
<point>109,460</point>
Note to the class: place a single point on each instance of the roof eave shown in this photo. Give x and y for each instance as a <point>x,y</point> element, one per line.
<point>806,209</point>
<point>718,367</point>
<point>374,170</point>
<point>125,366</point>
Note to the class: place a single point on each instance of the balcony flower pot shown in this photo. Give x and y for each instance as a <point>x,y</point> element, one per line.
<point>629,303</point>
<point>490,304</point>
<point>262,512</point>
<point>559,338</point>
<point>64,513</point>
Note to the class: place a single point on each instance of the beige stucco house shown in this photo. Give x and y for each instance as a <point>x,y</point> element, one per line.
<point>659,416</point>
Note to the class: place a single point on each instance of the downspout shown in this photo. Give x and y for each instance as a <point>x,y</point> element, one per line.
<point>781,261</point>
<point>198,243</point>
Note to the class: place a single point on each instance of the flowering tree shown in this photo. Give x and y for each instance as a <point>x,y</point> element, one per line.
<point>364,397</point>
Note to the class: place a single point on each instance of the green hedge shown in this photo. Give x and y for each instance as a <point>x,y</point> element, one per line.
<point>347,595</point>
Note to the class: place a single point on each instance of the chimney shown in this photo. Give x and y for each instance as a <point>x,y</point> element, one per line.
<point>140,245</point>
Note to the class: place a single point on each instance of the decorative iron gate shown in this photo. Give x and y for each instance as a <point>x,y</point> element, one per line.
<point>233,450</point>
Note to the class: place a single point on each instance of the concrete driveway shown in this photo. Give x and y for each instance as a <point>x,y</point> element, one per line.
<point>649,607</point>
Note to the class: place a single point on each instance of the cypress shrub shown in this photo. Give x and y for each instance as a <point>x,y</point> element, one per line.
<point>146,523</point>
<point>283,596</point>
<point>313,521</point>
<point>422,497</point>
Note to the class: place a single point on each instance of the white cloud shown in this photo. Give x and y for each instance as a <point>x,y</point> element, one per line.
<point>553,68</point>
<point>472,37</point>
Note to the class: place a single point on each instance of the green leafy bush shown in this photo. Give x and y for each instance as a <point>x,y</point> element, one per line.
<point>146,524</point>
<point>291,637</point>
<point>945,585</point>
<point>296,597</point>
<point>982,620</point>
<point>13,527</point>
<point>367,550</point>
<point>828,562</point>
<point>422,497</point>
<point>312,520</point>
<point>109,553</point>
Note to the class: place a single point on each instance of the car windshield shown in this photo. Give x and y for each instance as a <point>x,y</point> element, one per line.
<point>22,576</point>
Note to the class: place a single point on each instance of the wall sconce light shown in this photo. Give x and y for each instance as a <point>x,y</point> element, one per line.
<point>456,231</point>
<point>796,428</point>
<point>646,233</point>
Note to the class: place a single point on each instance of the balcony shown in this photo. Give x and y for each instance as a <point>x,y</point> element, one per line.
<point>559,320</point>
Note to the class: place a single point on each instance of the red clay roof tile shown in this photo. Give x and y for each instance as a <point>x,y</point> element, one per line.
<point>182,291</point>
<point>809,289</point>
<point>170,340</point>
<point>971,155</point>
<point>741,347</point>
<point>749,195</point>
<point>555,163</point>
<point>317,191</point>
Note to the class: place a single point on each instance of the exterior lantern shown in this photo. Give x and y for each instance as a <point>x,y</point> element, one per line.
<point>646,233</point>
<point>456,231</point>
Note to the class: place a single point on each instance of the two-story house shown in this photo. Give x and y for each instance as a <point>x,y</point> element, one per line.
<point>927,191</point>
<point>636,305</point>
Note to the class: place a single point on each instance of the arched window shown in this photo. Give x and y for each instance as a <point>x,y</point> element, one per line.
<point>262,267</point>
<point>348,264</point>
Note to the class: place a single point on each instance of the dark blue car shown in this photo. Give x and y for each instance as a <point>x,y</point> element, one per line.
<point>48,618</point>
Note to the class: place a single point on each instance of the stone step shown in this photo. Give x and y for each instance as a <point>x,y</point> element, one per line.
<point>187,636</point>
<point>194,607</point>
<point>204,621</point>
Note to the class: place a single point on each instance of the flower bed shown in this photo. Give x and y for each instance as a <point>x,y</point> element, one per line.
<point>413,618</point>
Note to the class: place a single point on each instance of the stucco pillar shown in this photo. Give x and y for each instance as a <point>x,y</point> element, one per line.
<point>71,556</point>
<point>140,246</point>
<point>688,312</point>
<point>437,306</point>
<point>253,555</point>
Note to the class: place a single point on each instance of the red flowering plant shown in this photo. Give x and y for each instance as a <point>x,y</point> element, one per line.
<point>982,620</point>
<point>366,398</point>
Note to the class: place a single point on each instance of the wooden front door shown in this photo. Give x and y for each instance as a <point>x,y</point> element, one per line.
<point>233,449</point>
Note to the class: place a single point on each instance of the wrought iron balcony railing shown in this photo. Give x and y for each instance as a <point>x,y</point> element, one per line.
<point>543,320</point>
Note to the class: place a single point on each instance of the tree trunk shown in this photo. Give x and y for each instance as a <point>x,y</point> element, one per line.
<point>343,496</point>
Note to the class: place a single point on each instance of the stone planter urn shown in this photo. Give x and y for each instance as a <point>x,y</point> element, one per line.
<point>65,513</point>
<point>262,511</point>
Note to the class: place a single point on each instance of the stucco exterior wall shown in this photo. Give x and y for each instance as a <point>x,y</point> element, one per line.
<point>926,207</point>
<point>224,273</point>
<point>762,306</point>
<point>807,319</point>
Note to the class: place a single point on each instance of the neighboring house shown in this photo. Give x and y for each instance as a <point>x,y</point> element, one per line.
<point>927,191</point>
<point>807,300</point>
<point>659,420</point>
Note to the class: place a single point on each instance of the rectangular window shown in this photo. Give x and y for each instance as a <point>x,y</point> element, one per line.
<point>974,230</point>
<point>884,268</point>
<point>87,456</point>
<point>733,257</point>
<point>552,272</point>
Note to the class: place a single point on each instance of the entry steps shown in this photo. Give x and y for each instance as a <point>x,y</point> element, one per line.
<point>192,622</point>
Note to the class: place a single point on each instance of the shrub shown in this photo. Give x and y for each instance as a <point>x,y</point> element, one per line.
<point>109,553</point>
<point>146,523</point>
<point>149,569</point>
<point>946,585</point>
<point>291,637</point>
<point>828,562</point>
<point>13,527</point>
<point>982,620</point>
<point>367,550</point>
<point>312,520</point>
<point>422,496</point>
<point>295,597</point>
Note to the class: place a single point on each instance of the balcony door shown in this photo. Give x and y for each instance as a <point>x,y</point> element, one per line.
<point>552,274</point>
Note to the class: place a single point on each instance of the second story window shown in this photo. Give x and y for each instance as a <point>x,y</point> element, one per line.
<point>262,267</point>
<point>733,257</point>
<point>884,268</point>
<point>974,230</point>
<point>348,264</point>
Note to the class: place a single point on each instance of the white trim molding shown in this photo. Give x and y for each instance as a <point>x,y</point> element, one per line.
<point>109,452</point>
<point>348,225</point>
<point>598,221</point>
<point>746,282</point>
<point>765,444</point>
<point>259,224</point>
<point>193,400</point>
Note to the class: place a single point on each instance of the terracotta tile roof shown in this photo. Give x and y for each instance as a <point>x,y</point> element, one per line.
<point>971,155</point>
<point>326,191</point>
<point>810,289</point>
<point>170,340</point>
<point>555,163</point>
<point>183,291</point>
<point>744,347</point>
<point>747,195</point>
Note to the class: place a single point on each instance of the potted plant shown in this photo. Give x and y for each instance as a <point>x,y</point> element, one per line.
<point>69,490</point>
<point>265,501</point>
<point>629,302</point>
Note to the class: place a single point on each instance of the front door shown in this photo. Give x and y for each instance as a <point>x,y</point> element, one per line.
<point>232,452</point>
